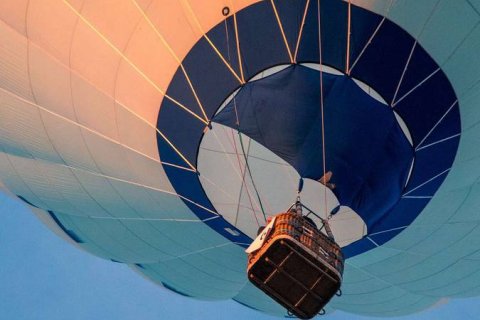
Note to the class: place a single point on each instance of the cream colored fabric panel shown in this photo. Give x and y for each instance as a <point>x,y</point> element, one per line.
<point>114,19</point>
<point>136,133</point>
<point>209,13</point>
<point>13,62</point>
<point>94,58</point>
<point>137,106</point>
<point>12,12</point>
<point>180,42</point>
<point>154,63</point>
<point>93,108</point>
<point>50,25</point>
<point>21,125</point>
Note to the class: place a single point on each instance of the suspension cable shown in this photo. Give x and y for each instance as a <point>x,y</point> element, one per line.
<point>321,102</point>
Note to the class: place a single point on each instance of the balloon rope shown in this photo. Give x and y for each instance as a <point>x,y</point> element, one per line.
<point>349,33</point>
<point>282,31</point>
<point>251,176</point>
<point>224,151</point>
<point>245,154</point>
<point>369,41</point>
<point>300,33</point>
<point>321,104</point>
<point>237,40</point>
<point>243,172</point>
<point>237,121</point>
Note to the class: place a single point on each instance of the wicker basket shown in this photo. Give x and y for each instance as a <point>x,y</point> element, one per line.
<point>297,265</point>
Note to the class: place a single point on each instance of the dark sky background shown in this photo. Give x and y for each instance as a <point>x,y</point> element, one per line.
<point>43,277</point>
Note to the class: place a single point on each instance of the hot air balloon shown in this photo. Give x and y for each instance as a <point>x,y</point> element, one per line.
<point>162,134</point>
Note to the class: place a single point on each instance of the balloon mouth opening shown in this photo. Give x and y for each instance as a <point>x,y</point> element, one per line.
<point>275,118</point>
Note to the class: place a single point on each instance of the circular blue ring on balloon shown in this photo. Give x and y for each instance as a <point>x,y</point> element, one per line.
<point>424,98</point>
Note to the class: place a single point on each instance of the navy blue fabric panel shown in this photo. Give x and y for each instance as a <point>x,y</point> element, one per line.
<point>382,64</point>
<point>224,38</point>
<point>401,215</point>
<point>308,47</point>
<point>426,105</point>
<point>445,129</point>
<point>357,247</point>
<point>273,101</point>
<point>206,71</point>
<point>362,26</point>
<point>421,65</point>
<point>260,39</point>
<point>185,138</point>
<point>334,32</point>
<point>429,163</point>
<point>366,149</point>
<point>291,13</point>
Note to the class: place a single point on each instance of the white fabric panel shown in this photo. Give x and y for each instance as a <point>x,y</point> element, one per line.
<point>255,298</point>
<point>117,242</point>
<point>461,69</point>
<point>21,125</point>
<point>469,103</point>
<point>192,281</point>
<point>109,157</point>
<point>46,219</point>
<point>13,62</point>
<point>438,36</point>
<point>14,182</point>
<point>67,137</point>
<point>64,182</point>
<point>32,173</point>
<point>153,204</point>
<point>234,279</point>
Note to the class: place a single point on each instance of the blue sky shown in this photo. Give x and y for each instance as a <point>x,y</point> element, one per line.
<point>43,277</point>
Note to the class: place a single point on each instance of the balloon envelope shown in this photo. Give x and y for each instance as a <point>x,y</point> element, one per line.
<point>161,134</point>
